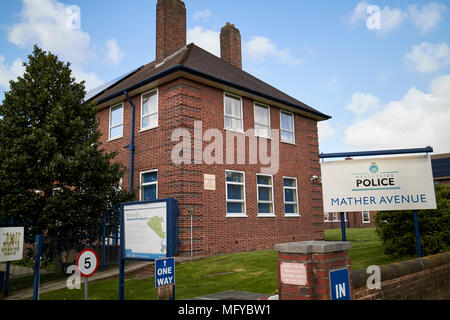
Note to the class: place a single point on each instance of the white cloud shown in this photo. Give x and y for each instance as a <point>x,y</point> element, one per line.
<point>363,102</point>
<point>206,39</point>
<point>428,57</point>
<point>10,72</point>
<point>425,19</point>
<point>261,48</point>
<point>325,131</point>
<point>418,120</point>
<point>113,53</point>
<point>92,80</point>
<point>202,14</point>
<point>428,18</point>
<point>48,23</point>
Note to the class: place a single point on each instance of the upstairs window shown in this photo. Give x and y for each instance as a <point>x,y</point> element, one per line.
<point>287,127</point>
<point>233,115</point>
<point>262,121</point>
<point>149,110</point>
<point>116,122</point>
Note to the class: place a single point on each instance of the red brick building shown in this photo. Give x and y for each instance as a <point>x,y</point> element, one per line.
<point>231,205</point>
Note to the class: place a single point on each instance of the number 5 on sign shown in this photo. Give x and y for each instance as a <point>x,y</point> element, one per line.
<point>87,262</point>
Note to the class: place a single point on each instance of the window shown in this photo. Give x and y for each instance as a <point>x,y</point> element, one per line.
<point>290,196</point>
<point>287,127</point>
<point>149,185</point>
<point>336,216</point>
<point>149,110</point>
<point>326,217</point>
<point>366,217</point>
<point>264,184</point>
<point>233,113</point>
<point>235,193</point>
<point>116,122</point>
<point>262,121</point>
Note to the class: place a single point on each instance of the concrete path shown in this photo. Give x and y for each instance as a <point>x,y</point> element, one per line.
<point>61,284</point>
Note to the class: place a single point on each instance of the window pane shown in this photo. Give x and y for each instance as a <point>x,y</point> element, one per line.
<point>287,136</point>
<point>262,131</point>
<point>290,208</point>
<point>116,132</point>
<point>286,121</point>
<point>267,180</point>
<point>262,115</point>
<point>235,192</point>
<point>235,177</point>
<point>289,182</point>
<point>149,192</point>
<point>149,104</point>
<point>233,207</point>
<point>150,121</point>
<point>290,195</point>
<point>150,177</point>
<point>233,106</point>
<point>116,116</point>
<point>264,193</point>
<point>265,208</point>
<point>236,124</point>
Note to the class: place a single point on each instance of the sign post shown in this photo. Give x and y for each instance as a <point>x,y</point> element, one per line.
<point>11,248</point>
<point>87,263</point>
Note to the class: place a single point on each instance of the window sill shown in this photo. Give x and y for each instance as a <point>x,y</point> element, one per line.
<point>266,215</point>
<point>292,215</point>
<point>288,142</point>
<point>236,215</point>
<point>114,139</point>
<point>234,131</point>
<point>148,129</point>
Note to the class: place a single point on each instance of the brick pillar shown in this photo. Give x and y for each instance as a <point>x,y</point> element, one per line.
<point>304,267</point>
<point>230,45</point>
<point>170,28</point>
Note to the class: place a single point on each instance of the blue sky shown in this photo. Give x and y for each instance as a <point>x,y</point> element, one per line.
<point>385,82</point>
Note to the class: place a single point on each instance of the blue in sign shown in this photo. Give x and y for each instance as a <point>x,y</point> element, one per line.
<point>340,284</point>
<point>164,272</point>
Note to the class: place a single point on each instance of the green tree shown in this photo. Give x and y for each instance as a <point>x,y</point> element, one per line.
<point>54,172</point>
<point>396,228</point>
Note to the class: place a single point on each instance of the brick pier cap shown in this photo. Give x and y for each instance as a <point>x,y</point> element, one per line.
<point>306,247</point>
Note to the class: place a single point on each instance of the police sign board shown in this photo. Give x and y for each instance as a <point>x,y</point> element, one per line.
<point>394,183</point>
<point>164,272</point>
<point>339,284</point>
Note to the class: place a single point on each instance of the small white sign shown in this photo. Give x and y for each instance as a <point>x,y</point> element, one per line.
<point>209,181</point>
<point>395,183</point>
<point>293,273</point>
<point>11,244</point>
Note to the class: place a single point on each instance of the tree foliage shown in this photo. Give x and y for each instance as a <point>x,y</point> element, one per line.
<point>54,172</point>
<point>396,228</point>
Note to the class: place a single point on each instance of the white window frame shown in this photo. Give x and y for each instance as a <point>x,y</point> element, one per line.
<point>293,127</point>
<point>141,185</point>
<point>336,217</point>
<point>241,130</point>
<point>262,215</point>
<point>326,217</point>
<point>116,106</point>
<point>368,216</point>
<point>156,92</point>
<point>262,105</point>
<point>235,215</point>
<point>291,202</point>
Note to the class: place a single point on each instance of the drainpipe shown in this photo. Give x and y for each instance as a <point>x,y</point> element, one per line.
<point>131,145</point>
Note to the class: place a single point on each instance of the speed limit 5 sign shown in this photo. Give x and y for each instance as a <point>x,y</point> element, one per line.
<point>87,262</point>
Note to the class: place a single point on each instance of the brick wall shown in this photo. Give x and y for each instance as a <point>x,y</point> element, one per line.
<point>417,279</point>
<point>181,102</point>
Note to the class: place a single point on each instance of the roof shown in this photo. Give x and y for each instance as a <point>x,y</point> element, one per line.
<point>197,61</point>
<point>441,165</point>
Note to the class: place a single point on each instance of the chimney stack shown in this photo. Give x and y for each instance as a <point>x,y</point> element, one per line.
<point>230,45</point>
<point>170,28</point>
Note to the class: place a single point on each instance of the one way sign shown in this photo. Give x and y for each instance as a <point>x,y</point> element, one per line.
<point>164,272</point>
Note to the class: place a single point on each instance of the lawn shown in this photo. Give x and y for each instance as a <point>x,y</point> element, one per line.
<point>250,271</point>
